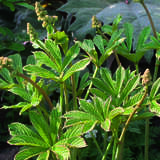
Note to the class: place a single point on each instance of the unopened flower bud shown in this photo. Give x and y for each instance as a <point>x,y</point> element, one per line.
<point>146,77</point>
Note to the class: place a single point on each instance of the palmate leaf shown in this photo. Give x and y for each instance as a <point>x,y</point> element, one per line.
<point>41,126</point>
<point>80,65</point>
<point>120,75</point>
<point>106,125</point>
<point>155,107</point>
<point>143,37</point>
<point>71,54</point>
<point>115,112</point>
<point>42,58</point>
<point>55,121</point>
<point>129,35</point>
<point>61,150</point>
<point>98,41</point>
<point>44,156</point>
<point>130,86</point>
<point>41,72</point>
<point>89,108</point>
<point>155,88</point>
<point>21,92</point>
<point>29,152</point>
<point>4,72</point>
<point>54,51</point>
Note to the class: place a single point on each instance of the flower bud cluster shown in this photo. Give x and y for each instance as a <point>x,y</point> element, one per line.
<point>31,32</point>
<point>146,77</point>
<point>42,15</point>
<point>5,62</point>
<point>96,23</point>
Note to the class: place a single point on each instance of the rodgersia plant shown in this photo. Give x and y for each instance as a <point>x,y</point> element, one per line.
<point>104,100</point>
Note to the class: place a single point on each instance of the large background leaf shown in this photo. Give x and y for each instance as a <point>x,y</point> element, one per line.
<point>106,11</point>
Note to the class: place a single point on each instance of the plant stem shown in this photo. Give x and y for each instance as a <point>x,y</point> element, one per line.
<point>129,119</point>
<point>74,93</point>
<point>156,69</point>
<point>105,141</point>
<point>38,88</point>
<point>115,136</point>
<point>61,98</point>
<point>137,68</point>
<point>150,18</point>
<point>66,98</point>
<point>90,86</point>
<point>117,58</point>
<point>108,148</point>
<point>96,143</point>
<point>146,149</point>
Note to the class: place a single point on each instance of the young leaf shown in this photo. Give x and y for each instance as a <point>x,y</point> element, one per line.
<point>44,156</point>
<point>120,75</point>
<point>155,108</point>
<point>54,51</point>
<point>4,72</point>
<point>61,150</point>
<point>41,126</point>
<point>41,72</point>
<point>42,58</point>
<point>106,125</point>
<point>115,112</point>
<point>21,92</point>
<point>106,76</point>
<point>80,65</point>
<point>129,35</point>
<point>70,56</point>
<point>98,41</point>
<point>155,88</point>
<point>130,86</point>
<point>89,108</point>
<point>143,37</point>
<point>28,153</point>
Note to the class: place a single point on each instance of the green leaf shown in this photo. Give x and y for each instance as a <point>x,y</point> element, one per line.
<point>23,105</point>
<point>98,93</point>
<point>70,56</point>
<point>130,86</point>
<point>41,72</point>
<point>54,51</point>
<point>21,92</point>
<point>55,121</point>
<point>120,75</point>
<point>26,5</point>
<point>106,76</point>
<point>106,125</point>
<point>4,72</point>
<point>103,86</point>
<point>16,47</point>
<point>24,140</point>
<point>28,153</point>
<point>80,65</point>
<point>41,126</point>
<point>143,37</point>
<point>42,58</point>
<point>17,129</point>
<point>134,100</point>
<point>129,35</point>
<point>98,41</point>
<point>106,11</point>
<point>155,108</point>
<point>61,150</point>
<point>76,142</point>
<point>155,88</point>
<point>4,85</point>
<point>31,60</point>
<point>44,156</point>
<point>9,4</point>
<point>115,112</point>
<point>89,108</point>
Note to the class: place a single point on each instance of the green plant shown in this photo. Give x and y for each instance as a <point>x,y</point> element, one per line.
<point>59,126</point>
